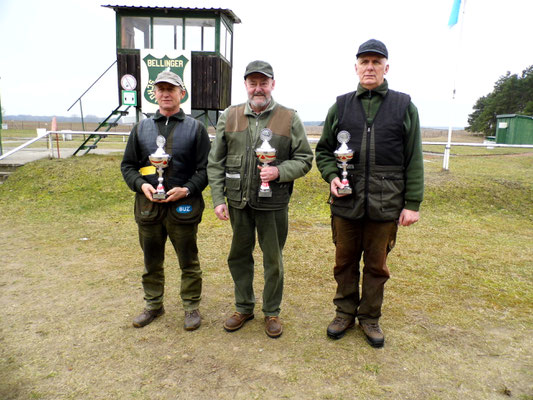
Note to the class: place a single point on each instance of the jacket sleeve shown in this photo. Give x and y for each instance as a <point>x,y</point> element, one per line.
<point>325,157</point>
<point>131,163</point>
<point>414,160</point>
<point>198,181</point>
<point>216,165</point>
<point>301,156</point>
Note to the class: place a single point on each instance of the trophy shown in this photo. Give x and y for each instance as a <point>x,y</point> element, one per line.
<point>266,154</point>
<point>344,154</point>
<point>160,160</point>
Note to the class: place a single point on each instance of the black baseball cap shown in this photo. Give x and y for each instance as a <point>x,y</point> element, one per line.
<point>373,46</point>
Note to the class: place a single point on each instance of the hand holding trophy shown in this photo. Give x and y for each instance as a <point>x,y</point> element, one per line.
<point>266,154</point>
<point>343,155</point>
<point>160,159</point>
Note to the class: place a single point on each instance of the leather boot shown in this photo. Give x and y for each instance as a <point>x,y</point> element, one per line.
<point>236,321</point>
<point>373,333</point>
<point>147,316</point>
<point>192,321</point>
<point>338,327</point>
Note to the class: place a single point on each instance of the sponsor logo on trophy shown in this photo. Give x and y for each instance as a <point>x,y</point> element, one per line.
<point>160,160</point>
<point>266,154</point>
<point>343,155</point>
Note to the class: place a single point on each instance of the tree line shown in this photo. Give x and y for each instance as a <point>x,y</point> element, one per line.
<point>512,94</point>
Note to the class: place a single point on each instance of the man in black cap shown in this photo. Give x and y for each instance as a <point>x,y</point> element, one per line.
<point>178,215</point>
<point>387,179</point>
<point>235,173</point>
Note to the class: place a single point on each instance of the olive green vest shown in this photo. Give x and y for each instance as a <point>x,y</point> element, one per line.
<point>242,134</point>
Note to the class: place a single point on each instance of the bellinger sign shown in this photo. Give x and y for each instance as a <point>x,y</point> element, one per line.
<point>155,61</point>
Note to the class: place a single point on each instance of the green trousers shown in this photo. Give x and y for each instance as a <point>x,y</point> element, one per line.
<point>183,237</point>
<point>272,229</point>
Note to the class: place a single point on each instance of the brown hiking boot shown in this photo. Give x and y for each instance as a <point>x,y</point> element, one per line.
<point>236,321</point>
<point>374,334</point>
<point>338,327</point>
<point>147,316</point>
<point>273,327</point>
<point>192,321</point>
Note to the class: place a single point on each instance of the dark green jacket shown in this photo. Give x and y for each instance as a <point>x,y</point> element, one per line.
<point>412,151</point>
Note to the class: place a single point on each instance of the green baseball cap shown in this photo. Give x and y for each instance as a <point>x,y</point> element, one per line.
<point>261,67</point>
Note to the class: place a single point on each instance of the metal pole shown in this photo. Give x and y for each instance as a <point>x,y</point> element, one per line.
<point>81,111</point>
<point>446,160</point>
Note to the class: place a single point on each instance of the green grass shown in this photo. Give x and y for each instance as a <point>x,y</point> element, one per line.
<point>457,312</point>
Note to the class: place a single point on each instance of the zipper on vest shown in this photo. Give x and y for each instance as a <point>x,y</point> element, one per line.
<point>367,166</point>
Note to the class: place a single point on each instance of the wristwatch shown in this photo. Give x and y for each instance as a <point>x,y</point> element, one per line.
<point>188,192</point>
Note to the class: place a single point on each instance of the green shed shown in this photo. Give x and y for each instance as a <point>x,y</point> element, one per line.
<point>514,129</point>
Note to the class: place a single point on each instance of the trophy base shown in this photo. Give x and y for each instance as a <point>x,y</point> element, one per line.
<point>159,196</point>
<point>266,193</point>
<point>345,190</point>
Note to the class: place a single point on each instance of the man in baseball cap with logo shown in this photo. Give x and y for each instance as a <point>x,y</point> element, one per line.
<point>386,174</point>
<point>178,213</point>
<point>235,174</point>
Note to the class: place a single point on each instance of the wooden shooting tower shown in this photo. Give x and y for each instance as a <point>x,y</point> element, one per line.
<point>203,34</point>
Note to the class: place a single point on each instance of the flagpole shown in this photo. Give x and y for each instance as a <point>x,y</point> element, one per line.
<point>453,21</point>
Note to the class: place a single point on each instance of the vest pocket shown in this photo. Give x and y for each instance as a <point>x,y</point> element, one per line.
<point>351,206</point>
<point>147,212</point>
<point>281,193</point>
<point>187,210</point>
<point>387,199</point>
<point>233,177</point>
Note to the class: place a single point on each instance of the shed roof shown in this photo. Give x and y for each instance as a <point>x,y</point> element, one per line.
<point>513,116</point>
<point>229,13</point>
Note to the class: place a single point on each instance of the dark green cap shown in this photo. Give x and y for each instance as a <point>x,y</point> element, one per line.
<point>261,67</point>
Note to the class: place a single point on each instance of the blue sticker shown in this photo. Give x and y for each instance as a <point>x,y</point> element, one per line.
<point>184,209</point>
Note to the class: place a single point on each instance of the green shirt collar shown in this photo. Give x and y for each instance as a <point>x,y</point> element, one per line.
<point>381,89</point>
<point>180,115</point>
<point>248,110</point>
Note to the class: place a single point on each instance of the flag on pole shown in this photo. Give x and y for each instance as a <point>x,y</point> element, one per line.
<point>454,16</point>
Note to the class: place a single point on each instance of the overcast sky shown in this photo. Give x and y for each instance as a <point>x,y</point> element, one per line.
<point>51,51</point>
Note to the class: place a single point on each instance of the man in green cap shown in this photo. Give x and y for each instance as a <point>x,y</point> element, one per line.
<point>386,175</point>
<point>235,173</point>
<point>178,213</point>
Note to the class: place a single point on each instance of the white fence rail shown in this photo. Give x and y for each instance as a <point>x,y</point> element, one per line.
<point>42,133</point>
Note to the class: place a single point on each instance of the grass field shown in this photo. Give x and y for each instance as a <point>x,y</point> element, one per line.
<point>457,312</point>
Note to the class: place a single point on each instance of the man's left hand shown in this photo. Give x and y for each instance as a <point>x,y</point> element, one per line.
<point>408,217</point>
<point>268,173</point>
<point>175,193</point>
